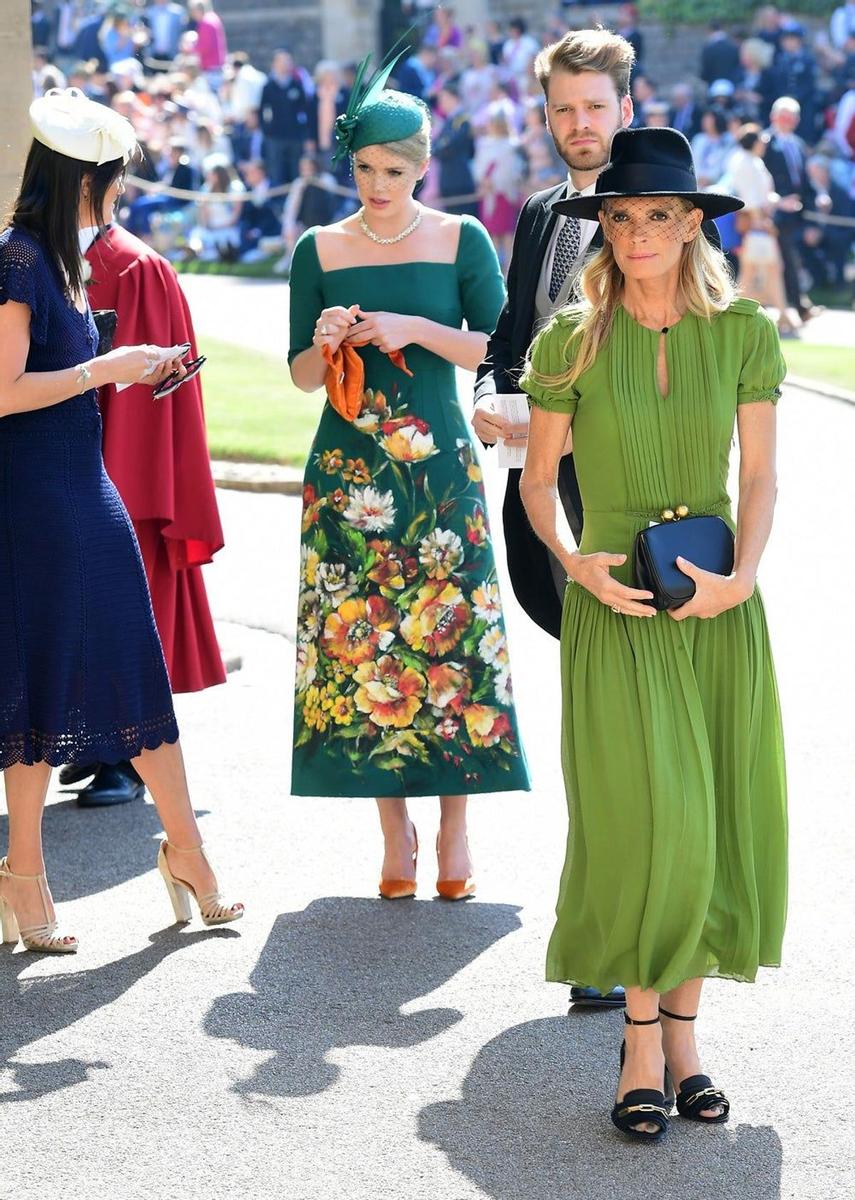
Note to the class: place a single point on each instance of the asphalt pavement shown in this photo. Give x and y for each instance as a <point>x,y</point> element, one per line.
<point>335,1045</point>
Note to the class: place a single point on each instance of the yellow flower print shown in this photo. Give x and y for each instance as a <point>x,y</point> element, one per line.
<point>331,461</point>
<point>342,710</point>
<point>356,471</point>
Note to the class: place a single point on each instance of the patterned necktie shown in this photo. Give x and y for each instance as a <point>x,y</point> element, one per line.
<point>566,252</point>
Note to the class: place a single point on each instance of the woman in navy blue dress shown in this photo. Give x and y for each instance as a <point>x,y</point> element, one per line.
<point>82,673</point>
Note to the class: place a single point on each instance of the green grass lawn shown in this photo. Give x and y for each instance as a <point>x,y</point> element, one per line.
<point>255,413</point>
<point>826,364</point>
<point>252,408</point>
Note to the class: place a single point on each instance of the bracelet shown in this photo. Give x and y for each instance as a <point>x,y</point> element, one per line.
<point>83,377</point>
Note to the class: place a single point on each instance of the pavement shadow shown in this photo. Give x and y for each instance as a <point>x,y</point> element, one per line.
<point>338,973</point>
<point>38,1007</point>
<point>89,850</point>
<point>533,1121</point>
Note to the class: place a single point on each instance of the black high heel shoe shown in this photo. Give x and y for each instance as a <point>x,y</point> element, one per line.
<point>697,1093</point>
<point>643,1106</point>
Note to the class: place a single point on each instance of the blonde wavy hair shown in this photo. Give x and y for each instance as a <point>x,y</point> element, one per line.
<point>705,287</point>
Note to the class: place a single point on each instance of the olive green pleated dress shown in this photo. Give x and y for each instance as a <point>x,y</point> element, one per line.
<point>671,733</point>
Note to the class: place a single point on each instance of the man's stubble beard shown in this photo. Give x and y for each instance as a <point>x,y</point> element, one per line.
<point>585,164</point>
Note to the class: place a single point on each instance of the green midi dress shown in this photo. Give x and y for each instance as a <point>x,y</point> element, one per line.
<point>671,734</point>
<point>403,683</point>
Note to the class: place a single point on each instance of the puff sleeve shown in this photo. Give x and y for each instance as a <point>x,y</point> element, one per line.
<point>482,288</point>
<point>549,357</point>
<point>22,271</point>
<point>763,366</point>
<point>307,297</point>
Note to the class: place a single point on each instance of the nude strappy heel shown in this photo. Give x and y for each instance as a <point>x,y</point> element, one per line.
<point>211,907</point>
<point>42,939</point>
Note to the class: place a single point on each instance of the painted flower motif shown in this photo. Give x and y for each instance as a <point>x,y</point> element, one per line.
<point>493,648</point>
<point>389,692</point>
<point>307,665</point>
<point>502,687</point>
<point>308,617</point>
<point>330,461</point>
<point>335,579</point>
<point>370,510</point>
<point>374,410</point>
<point>476,528</point>
<point>448,728</point>
<point>449,686</point>
<point>338,500</point>
<point>311,507</point>
<point>438,618</point>
<point>485,725</point>
<point>313,710</point>
<point>358,629</point>
<point>356,471</point>
<point>408,439</point>
<point>440,553</point>
<point>392,568</point>
<point>342,710</point>
<point>309,560</point>
<point>486,603</point>
<point>466,455</point>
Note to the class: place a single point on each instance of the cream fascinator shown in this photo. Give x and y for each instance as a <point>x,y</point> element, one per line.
<point>67,121</point>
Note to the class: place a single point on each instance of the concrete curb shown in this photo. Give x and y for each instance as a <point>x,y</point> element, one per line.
<point>821,389</point>
<point>257,477</point>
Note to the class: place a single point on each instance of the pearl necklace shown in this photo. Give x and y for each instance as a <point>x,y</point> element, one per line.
<point>388,241</point>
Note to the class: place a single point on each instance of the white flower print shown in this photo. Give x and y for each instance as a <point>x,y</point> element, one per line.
<point>309,560</point>
<point>370,510</point>
<point>309,617</point>
<point>440,553</point>
<point>307,665</point>
<point>337,580</point>
<point>493,648</point>
<point>486,603</point>
<point>503,690</point>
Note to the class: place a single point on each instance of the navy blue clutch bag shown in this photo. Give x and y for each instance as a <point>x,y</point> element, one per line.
<point>705,541</point>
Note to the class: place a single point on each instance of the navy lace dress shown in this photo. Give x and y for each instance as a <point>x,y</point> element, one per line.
<point>82,674</point>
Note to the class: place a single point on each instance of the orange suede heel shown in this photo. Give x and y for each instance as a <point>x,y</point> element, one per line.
<point>401,889</point>
<point>454,889</point>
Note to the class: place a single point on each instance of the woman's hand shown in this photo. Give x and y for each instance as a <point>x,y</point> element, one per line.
<point>387,331</point>
<point>593,572</point>
<point>332,326</point>
<point>132,364</point>
<point>714,594</point>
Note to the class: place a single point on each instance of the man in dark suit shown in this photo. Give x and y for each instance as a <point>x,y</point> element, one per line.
<point>719,56</point>
<point>685,112</point>
<point>786,162</point>
<point>454,150</point>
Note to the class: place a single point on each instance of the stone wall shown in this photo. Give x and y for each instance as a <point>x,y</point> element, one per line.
<point>16,90</point>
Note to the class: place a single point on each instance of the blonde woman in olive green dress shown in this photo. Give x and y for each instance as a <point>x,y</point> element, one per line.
<point>672,745</point>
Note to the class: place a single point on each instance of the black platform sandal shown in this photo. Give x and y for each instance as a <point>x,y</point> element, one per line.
<point>697,1093</point>
<point>643,1106</point>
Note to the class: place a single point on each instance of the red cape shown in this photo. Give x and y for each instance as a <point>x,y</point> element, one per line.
<point>156,453</point>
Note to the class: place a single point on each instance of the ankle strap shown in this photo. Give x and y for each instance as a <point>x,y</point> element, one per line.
<point>185,849</point>
<point>663,1012</point>
<point>629,1020</point>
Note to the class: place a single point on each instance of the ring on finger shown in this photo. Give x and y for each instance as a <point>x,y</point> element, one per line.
<point>615,608</point>
<point>322,330</point>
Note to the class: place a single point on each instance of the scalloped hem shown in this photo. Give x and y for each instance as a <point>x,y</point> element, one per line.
<point>109,747</point>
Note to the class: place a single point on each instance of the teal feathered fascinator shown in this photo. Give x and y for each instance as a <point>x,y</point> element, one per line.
<point>373,115</point>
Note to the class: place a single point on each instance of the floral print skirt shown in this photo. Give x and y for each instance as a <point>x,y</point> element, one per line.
<point>403,681</point>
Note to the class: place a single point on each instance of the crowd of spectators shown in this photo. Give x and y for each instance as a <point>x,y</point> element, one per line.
<point>770,113</point>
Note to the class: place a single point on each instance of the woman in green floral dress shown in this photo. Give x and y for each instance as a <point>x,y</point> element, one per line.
<point>403,677</point>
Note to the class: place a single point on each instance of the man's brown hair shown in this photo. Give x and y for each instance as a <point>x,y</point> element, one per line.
<point>581,50</point>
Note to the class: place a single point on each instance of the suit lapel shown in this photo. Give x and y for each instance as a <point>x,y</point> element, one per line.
<point>542,225</point>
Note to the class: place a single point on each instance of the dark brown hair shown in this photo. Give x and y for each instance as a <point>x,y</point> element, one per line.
<point>48,205</point>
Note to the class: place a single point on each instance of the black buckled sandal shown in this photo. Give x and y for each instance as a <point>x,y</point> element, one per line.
<point>697,1093</point>
<point>643,1106</point>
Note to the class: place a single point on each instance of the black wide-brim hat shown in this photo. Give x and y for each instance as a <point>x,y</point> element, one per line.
<point>649,162</point>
